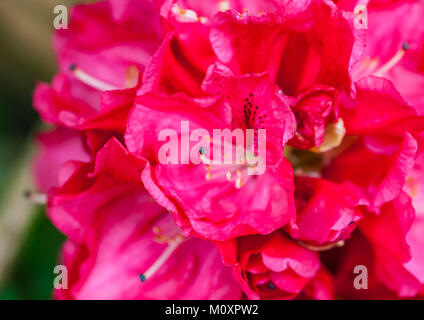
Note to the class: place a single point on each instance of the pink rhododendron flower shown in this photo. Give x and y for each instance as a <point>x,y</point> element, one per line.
<point>314,109</point>
<point>104,49</point>
<point>108,39</point>
<point>272,267</point>
<point>326,165</point>
<point>395,47</point>
<point>327,212</point>
<point>299,48</point>
<point>118,233</point>
<point>55,149</point>
<point>56,105</point>
<point>206,194</point>
<point>384,246</point>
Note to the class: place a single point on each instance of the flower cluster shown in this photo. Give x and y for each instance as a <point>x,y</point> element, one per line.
<point>343,112</point>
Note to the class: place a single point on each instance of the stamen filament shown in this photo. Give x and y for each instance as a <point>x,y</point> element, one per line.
<point>204,159</point>
<point>34,197</point>
<point>322,248</point>
<point>393,61</point>
<point>90,80</point>
<point>173,245</point>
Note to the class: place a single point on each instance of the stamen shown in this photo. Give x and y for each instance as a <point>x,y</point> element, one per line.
<point>224,5</point>
<point>366,68</point>
<point>412,187</point>
<point>160,239</point>
<point>203,20</point>
<point>37,198</point>
<point>238,175</point>
<point>228,175</point>
<point>393,61</point>
<point>131,77</point>
<point>202,150</point>
<point>190,14</point>
<point>174,244</point>
<point>90,80</point>
<point>372,64</point>
<point>202,157</point>
<point>185,14</point>
<point>322,248</point>
<point>238,183</point>
<point>271,286</point>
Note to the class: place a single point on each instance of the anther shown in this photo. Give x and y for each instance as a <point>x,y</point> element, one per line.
<point>405,46</point>
<point>208,175</point>
<point>202,157</point>
<point>166,254</point>
<point>37,198</point>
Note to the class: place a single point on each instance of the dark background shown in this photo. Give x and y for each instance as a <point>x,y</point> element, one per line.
<point>29,244</point>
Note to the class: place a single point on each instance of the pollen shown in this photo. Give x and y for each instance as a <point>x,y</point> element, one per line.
<point>238,183</point>
<point>228,175</point>
<point>208,175</point>
<point>131,77</point>
<point>224,5</point>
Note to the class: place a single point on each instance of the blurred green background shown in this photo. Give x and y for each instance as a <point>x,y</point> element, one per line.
<point>29,243</point>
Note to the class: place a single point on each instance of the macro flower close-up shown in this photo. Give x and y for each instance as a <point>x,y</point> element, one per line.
<point>235,150</point>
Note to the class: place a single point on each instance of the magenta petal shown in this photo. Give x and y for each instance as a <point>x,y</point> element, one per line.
<point>106,39</point>
<point>282,254</point>
<point>326,211</point>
